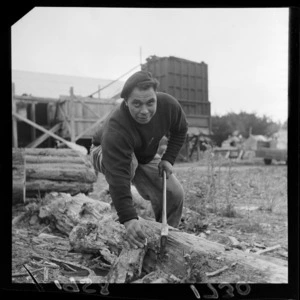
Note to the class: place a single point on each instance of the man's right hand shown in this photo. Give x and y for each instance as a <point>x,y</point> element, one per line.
<point>135,234</point>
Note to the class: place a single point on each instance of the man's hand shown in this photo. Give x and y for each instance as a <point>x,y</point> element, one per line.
<point>164,165</point>
<point>135,234</point>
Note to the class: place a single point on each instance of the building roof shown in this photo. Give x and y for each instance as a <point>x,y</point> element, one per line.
<point>54,85</point>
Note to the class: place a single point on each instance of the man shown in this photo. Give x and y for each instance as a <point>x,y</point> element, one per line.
<point>125,147</point>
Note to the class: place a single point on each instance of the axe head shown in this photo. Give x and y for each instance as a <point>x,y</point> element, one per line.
<point>164,238</point>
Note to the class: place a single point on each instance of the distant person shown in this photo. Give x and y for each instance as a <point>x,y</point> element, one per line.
<point>125,149</point>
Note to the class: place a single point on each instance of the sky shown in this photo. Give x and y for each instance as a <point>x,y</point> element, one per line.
<point>246,49</point>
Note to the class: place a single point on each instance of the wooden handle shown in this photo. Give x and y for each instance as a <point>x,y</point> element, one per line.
<point>164,208</point>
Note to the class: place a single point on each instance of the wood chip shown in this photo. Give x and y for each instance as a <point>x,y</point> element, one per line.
<point>160,280</point>
<point>64,263</point>
<point>50,236</point>
<point>269,249</point>
<point>26,274</point>
<point>18,218</point>
<point>234,241</point>
<point>217,272</point>
<point>259,245</point>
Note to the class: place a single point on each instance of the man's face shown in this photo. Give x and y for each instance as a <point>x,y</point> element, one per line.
<point>142,104</point>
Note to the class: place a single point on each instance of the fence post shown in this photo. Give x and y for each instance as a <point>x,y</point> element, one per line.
<point>72,114</point>
<point>198,149</point>
<point>14,120</point>
<point>187,146</point>
<point>33,119</point>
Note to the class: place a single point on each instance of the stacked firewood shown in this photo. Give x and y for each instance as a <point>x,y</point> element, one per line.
<point>47,170</point>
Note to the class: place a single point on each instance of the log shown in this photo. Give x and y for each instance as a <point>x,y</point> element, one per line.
<point>19,175</point>
<point>60,172</point>
<point>52,152</point>
<point>40,187</point>
<point>43,159</point>
<point>91,227</point>
<point>70,211</point>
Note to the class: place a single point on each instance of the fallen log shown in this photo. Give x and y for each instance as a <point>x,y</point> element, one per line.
<point>91,228</point>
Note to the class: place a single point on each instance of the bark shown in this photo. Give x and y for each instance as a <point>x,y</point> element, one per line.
<point>52,152</point>
<point>60,172</point>
<point>19,175</point>
<point>57,159</point>
<point>91,227</point>
<point>128,266</point>
<point>40,187</point>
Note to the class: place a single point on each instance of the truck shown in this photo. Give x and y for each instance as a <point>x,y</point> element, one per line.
<point>275,149</point>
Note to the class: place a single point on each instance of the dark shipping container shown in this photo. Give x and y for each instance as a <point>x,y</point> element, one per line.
<point>181,78</point>
<point>187,81</point>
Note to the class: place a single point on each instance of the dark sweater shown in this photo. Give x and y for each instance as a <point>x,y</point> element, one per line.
<point>120,136</point>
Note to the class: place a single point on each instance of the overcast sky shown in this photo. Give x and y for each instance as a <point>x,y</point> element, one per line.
<point>246,49</point>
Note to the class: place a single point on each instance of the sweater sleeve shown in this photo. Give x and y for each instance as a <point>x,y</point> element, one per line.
<point>116,160</point>
<point>178,130</point>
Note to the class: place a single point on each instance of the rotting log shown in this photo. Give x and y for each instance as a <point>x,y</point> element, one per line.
<point>128,266</point>
<point>19,175</point>
<point>91,227</point>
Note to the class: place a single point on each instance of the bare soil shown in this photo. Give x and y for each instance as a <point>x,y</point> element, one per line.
<point>246,202</point>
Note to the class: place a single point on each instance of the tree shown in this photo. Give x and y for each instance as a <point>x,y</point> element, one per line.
<point>223,126</point>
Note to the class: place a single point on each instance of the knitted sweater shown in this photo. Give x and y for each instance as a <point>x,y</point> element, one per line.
<point>120,136</point>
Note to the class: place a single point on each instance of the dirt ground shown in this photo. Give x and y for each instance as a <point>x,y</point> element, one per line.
<point>243,202</point>
<point>248,202</point>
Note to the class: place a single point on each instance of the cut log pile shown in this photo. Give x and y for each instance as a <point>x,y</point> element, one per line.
<point>91,228</point>
<point>47,170</point>
<point>19,175</point>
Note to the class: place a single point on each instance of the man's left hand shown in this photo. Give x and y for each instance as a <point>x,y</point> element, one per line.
<point>164,165</point>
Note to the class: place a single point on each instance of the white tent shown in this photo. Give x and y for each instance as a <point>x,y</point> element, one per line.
<point>251,142</point>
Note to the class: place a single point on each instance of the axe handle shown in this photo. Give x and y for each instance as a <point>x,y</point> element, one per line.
<point>164,207</point>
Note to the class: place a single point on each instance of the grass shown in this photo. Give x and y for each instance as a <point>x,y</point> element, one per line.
<point>202,193</point>
<point>253,198</point>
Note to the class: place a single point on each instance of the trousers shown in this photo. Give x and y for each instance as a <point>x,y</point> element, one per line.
<point>146,179</point>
